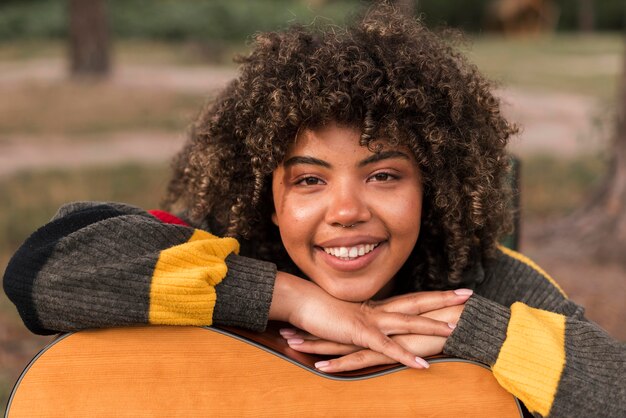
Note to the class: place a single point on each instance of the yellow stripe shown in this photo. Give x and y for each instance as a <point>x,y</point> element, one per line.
<point>532,356</point>
<point>182,291</point>
<point>532,264</point>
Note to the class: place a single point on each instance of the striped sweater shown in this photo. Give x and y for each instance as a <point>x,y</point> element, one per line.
<point>101,265</point>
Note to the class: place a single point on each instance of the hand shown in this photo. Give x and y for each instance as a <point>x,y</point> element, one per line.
<point>354,357</point>
<point>366,324</point>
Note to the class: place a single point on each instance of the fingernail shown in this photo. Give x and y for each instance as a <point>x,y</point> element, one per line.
<point>451,325</point>
<point>287,331</point>
<point>422,362</point>
<point>295,341</point>
<point>322,364</point>
<point>464,292</point>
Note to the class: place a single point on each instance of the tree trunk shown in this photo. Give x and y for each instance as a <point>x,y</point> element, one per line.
<point>89,38</point>
<point>586,15</point>
<point>599,228</point>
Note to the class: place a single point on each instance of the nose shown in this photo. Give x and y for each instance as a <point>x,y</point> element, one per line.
<point>347,206</point>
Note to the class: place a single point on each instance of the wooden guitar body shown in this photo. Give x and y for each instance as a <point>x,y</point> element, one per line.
<point>190,371</point>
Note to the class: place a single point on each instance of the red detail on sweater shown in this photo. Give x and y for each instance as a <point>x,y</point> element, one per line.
<point>166,217</point>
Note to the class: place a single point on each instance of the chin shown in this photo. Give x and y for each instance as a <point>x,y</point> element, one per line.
<point>350,295</point>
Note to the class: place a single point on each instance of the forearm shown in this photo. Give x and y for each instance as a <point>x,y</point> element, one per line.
<point>557,365</point>
<point>102,265</point>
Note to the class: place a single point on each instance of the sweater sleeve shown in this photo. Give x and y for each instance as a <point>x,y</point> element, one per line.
<point>539,345</point>
<point>108,264</point>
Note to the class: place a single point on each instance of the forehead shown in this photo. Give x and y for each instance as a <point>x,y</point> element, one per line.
<point>336,142</point>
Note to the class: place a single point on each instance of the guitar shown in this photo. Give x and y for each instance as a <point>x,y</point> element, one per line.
<point>191,371</point>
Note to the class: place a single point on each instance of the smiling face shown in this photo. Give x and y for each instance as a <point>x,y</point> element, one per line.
<point>348,218</point>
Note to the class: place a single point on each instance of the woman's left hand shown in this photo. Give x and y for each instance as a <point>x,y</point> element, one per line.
<point>354,357</point>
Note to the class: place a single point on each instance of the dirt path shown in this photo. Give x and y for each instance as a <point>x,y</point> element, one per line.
<point>21,153</point>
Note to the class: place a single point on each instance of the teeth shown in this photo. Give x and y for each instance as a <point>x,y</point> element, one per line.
<point>350,253</point>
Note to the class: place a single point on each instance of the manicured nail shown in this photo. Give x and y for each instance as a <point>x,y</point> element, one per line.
<point>287,331</point>
<point>295,341</point>
<point>451,325</point>
<point>322,364</point>
<point>464,292</point>
<point>422,362</point>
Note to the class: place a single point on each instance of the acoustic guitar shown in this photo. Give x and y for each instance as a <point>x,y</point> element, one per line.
<point>191,371</point>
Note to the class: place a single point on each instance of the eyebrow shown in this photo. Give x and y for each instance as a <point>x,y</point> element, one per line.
<point>384,155</point>
<point>306,160</point>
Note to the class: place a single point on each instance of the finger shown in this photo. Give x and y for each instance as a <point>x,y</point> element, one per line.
<point>322,347</point>
<point>354,361</point>
<point>373,339</point>
<point>420,302</point>
<point>398,323</point>
<point>421,345</point>
<point>451,314</point>
<point>289,333</point>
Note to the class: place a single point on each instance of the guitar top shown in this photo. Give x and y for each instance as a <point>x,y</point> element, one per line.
<point>190,371</point>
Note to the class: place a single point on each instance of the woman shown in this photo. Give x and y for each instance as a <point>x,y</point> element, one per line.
<point>370,161</point>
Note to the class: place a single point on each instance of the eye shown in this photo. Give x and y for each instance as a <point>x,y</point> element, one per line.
<point>382,177</point>
<point>309,181</point>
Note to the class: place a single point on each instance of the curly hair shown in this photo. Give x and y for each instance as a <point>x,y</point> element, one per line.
<point>386,75</point>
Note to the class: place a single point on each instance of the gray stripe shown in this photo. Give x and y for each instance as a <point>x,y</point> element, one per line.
<point>590,363</point>
<point>100,276</point>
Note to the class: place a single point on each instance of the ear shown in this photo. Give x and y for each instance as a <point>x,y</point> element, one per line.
<point>274,218</point>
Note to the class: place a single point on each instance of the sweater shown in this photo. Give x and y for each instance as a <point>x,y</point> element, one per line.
<point>110,264</point>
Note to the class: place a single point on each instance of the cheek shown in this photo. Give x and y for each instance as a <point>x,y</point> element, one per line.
<point>297,220</point>
<point>404,213</point>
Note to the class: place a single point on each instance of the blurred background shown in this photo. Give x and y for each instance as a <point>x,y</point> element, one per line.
<point>96,96</point>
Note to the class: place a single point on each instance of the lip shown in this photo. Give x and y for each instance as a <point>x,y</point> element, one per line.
<point>350,265</point>
<point>350,241</point>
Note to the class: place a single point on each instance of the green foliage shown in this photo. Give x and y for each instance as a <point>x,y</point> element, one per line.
<point>236,20</point>
<point>554,187</point>
<point>231,20</point>
<point>32,19</point>
<point>29,199</point>
<point>468,15</point>
<point>608,14</point>
<point>226,20</point>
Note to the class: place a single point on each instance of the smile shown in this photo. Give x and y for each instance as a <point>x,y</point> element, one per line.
<point>350,253</point>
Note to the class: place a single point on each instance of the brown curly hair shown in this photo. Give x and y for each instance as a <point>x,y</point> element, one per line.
<point>391,78</point>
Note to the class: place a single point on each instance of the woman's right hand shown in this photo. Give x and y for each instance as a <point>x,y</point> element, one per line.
<point>367,324</point>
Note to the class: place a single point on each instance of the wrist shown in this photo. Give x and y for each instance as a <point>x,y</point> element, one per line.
<point>289,291</point>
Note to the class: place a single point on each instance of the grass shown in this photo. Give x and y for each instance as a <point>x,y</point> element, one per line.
<point>31,198</point>
<point>588,64</point>
<point>553,187</point>
<point>81,109</point>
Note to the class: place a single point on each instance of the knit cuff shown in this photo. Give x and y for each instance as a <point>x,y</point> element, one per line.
<point>245,295</point>
<point>480,332</point>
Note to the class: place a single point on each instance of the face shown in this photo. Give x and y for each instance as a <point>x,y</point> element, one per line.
<point>348,218</point>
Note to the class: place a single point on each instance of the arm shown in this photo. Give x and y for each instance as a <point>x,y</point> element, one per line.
<point>539,345</point>
<point>103,265</point>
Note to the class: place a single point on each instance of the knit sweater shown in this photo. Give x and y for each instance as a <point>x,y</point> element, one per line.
<point>109,264</point>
